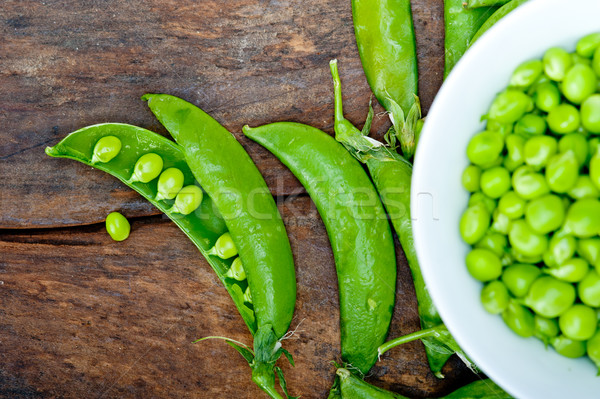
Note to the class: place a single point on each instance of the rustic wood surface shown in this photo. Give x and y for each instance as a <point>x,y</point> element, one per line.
<point>83,316</point>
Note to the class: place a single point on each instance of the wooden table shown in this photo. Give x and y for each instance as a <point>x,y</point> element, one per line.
<point>82,316</point>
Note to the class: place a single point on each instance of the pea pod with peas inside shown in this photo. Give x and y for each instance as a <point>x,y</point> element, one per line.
<point>262,284</point>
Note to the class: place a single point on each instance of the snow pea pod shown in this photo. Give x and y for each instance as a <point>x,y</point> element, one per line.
<point>461,24</point>
<point>385,38</point>
<point>495,17</point>
<point>230,177</point>
<point>358,230</point>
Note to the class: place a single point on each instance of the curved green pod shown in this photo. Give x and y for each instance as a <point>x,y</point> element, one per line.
<point>202,227</point>
<point>386,43</point>
<point>357,226</point>
<point>495,17</point>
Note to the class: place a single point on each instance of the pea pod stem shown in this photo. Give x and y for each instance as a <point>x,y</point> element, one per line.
<point>429,332</point>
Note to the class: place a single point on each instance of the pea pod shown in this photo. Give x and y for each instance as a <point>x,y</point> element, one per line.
<point>485,3</point>
<point>230,177</point>
<point>495,17</point>
<point>391,174</point>
<point>357,226</point>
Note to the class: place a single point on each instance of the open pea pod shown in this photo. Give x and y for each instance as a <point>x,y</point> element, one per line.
<point>203,227</point>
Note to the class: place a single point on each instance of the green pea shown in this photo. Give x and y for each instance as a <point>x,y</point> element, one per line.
<point>494,297</point>
<point>547,96</point>
<point>495,182</point>
<point>480,197</point>
<point>187,200</point>
<point>577,59</point>
<point>500,222</point>
<point>512,205</point>
<point>562,171</point>
<point>579,83</point>
<point>170,183</point>
<point>577,143</point>
<point>583,218</point>
<point>596,62</point>
<point>563,119</point>
<point>593,349</point>
<point>583,188</point>
<point>474,223</point>
<point>525,240</point>
<point>483,265</point>
<point>236,271</point>
<point>526,74</point>
<point>519,319</point>
<point>528,184</point>
<point>568,347</point>
<point>545,214</point>
<point>556,63</point>
<point>578,322</point>
<point>485,146</point>
<point>593,145</point>
<point>561,248</point>
<point>471,177</point>
<point>224,247</point>
<point>588,44</point>
<point>247,295</point>
<point>106,149</point>
<point>519,277</point>
<point>495,242</point>
<point>545,329</point>
<point>509,106</point>
<point>572,270</point>
<point>538,150</point>
<point>117,226</point>
<point>550,297</point>
<point>595,168</point>
<point>530,125</point>
<point>590,113</point>
<point>589,249</point>
<point>514,148</point>
<point>147,168</point>
<point>588,289</point>
<point>522,258</point>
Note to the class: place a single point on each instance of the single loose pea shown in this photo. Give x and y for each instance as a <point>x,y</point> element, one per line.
<point>556,63</point>
<point>480,197</point>
<point>528,184</point>
<point>538,150</point>
<point>236,271</point>
<point>593,349</point>
<point>471,177</point>
<point>170,183</point>
<point>545,214</point>
<point>147,168</point>
<point>224,247</point>
<point>188,200</point>
<point>550,297</point>
<point>502,128</point>
<point>485,147</point>
<point>568,347</point>
<point>514,148</point>
<point>106,149</point>
<point>494,297</point>
<point>526,74</point>
<point>522,258</point>
<point>545,329</point>
<point>589,249</point>
<point>572,270</point>
<point>495,182</point>
<point>519,319</point>
<point>519,277</point>
<point>474,223</point>
<point>588,289</point>
<point>547,96</point>
<point>509,106</point>
<point>590,113</point>
<point>117,226</point>
<point>588,44</point>
<point>563,119</point>
<point>583,218</point>
<point>495,242</point>
<point>247,295</point>
<point>577,143</point>
<point>483,265</point>
<point>561,248</point>
<point>579,83</point>
<point>530,125</point>
<point>584,188</point>
<point>500,222</point>
<point>578,322</point>
<point>525,240</point>
<point>511,205</point>
<point>562,171</point>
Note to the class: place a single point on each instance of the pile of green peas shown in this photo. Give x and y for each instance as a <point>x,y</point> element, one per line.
<point>533,217</point>
<point>169,186</point>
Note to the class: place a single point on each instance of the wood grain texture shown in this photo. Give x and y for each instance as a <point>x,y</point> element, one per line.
<point>83,316</point>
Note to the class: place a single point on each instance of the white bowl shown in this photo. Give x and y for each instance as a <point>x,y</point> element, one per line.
<point>523,367</point>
